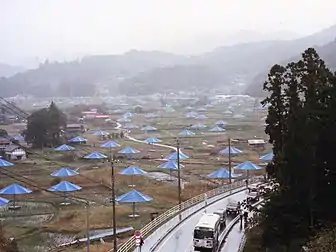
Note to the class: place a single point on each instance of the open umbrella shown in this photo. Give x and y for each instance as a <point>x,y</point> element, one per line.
<point>130,126</point>
<point>198,126</point>
<point>230,150</point>
<point>222,173</point>
<point>132,170</point>
<point>171,165</point>
<point>173,156</point>
<point>110,144</point>
<point>186,133</point>
<point>64,147</point>
<point>18,137</point>
<point>5,163</point>
<point>77,139</point>
<point>220,122</point>
<point>64,172</point>
<point>100,133</point>
<point>128,151</point>
<point>152,140</point>
<point>64,187</point>
<point>133,197</point>
<point>268,157</point>
<point>123,120</point>
<point>3,201</point>
<point>149,128</point>
<point>95,155</point>
<point>217,129</point>
<point>247,166</point>
<point>202,116</point>
<point>15,189</point>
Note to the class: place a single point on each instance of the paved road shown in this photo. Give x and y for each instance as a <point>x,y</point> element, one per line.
<point>180,240</point>
<point>234,239</point>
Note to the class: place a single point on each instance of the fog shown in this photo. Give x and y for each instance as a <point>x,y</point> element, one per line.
<point>31,31</point>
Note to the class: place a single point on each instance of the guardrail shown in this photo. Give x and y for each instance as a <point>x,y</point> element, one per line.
<point>164,218</point>
<point>242,244</point>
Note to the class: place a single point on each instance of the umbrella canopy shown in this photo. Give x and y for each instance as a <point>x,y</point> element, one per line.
<point>123,120</point>
<point>268,157</point>
<point>130,126</point>
<point>222,173</point>
<point>77,139</point>
<point>64,172</point>
<point>133,196</point>
<point>100,133</point>
<point>15,189</point>
<point>150,115</point>
<point>64,147</point>
<point>149,128</point>
<point>247,165</point>
<point>217,129</point>
<point>231,150</point>
<point>127,115</point>
<point>151,140</point>
<point>110,144</point>
<point>198,126</point>
<point>173,156</point>
<point>18,137</point>
<point>170,164</point>
<point>128,150</point>
<point>64,186</point>
<point>202,116</point>
<point>220,122</point>
<point>132,170</point>
<point>186,132</point>
<point>191,114</point>
<point>5,163</point>
<point>3,201</point>
<point>95,155</point>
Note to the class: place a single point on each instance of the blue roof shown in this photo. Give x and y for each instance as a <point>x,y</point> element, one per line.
<point>173,156</point>
<point>110,144</point>
<point>128,150</point>
<point>170,164</point>
<point>221,173</point>
<point>268,157</point>
<point>64,172</point>
<point>64,147</point>
<point>64,186</point>
<point>15,189</point>
<point>5,163</point>
<point>95,155</point>
<point>247,165</point>
<point>133,196</point>
<point>132,170</point>
<point>231,150</point>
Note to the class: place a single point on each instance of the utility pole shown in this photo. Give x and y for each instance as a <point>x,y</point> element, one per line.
<point>87,226</point>
<point>179,175</point>
<point>230,168</point>
<point>114,225</point>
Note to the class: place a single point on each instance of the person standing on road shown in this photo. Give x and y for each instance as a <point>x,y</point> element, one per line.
<point>141,243</point>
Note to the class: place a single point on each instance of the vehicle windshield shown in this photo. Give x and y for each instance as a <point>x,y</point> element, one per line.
<point>201,234</point>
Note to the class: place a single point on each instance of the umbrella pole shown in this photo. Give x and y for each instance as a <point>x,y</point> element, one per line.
<point>179,177</point>
<point>87,227</point>
<point>14,199</point>
<point>230,169</point>
<point>114,224</point>
<point>133,206</point>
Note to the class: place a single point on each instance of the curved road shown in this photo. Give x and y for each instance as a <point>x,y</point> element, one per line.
<point>180,240</point>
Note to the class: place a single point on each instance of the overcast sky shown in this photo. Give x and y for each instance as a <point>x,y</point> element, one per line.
<point>57,28</point>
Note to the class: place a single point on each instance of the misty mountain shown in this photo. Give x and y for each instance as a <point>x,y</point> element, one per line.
<point>8,71</point>
<point>144,72</point>
<point>326,52</point>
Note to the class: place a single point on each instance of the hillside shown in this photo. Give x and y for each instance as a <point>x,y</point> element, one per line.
<point>326,52</point>
<point>148,72</point>
<point>8,71</point>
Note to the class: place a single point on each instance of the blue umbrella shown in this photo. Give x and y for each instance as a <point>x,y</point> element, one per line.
<point>222,173</point>
<point>123,120</point>
<point>128,150</point>
<point>18,137</point>
<point>100,133</point>
<point>15,189</point>
<point>268,157</point>
<point>220,122</point>
<point>202,116</point>
<point>231,150</point>
<point>149,128</point>
<point>152,140</point>
<point>110,144</point>
<point>95,155</point>
<point>186,132</point>
<point>64,147</point>
<point>3,201</point>
<point>198,126</point>
<point>173,156</point>
<point>217,129</point>
<point>77,139</point>
<point>64,186</point>
<point>133,196</point>
<point>130,126</point>
<point>191,114</point>
<point>64,172</point>
<point>247,165</point>
<point>5,163</point>
<point>132,170</point>
<point>170,164</point>
<point>127,115</point>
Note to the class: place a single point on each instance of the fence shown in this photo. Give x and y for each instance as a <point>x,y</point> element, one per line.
<point>164,223</point>
<point>242,244</point>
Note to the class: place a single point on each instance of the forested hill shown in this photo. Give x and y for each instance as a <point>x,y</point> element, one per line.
<point>142,72</point>
<point>327,52</point>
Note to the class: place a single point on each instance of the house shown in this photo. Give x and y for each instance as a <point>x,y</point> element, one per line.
<point>256,143</point>
<point>74,128</point>
<point>15,152</point>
